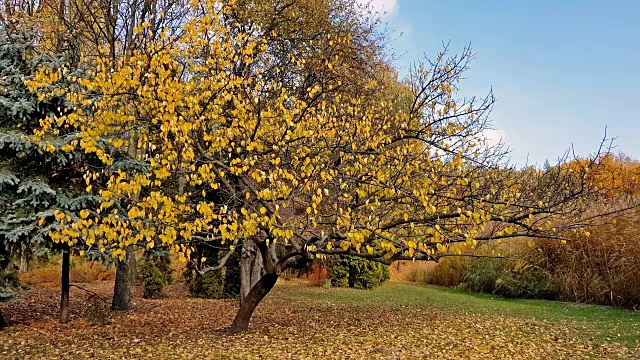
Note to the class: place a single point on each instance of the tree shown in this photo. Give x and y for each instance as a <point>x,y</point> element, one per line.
<point>8,280</point>
<point>40,180</point>
<point>85,30</point>
<point>282,150</point>
<point>81,31</point>
<point>104,29</point>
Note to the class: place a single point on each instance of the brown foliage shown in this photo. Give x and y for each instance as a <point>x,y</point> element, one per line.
<point>603,268</point>
<point>82,271</point>
<point>318,276</point>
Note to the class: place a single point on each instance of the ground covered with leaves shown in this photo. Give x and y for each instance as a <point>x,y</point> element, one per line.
<point>297,321</point>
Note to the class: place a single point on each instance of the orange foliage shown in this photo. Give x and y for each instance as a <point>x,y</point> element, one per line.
<point>82,271</point>
<point>618,174</point>
<point>408,267</point>
<point>318,276</point>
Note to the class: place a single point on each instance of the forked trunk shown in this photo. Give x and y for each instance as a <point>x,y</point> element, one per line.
<point>64,298</point>
<point>121,288</point>
<point>251,301</point>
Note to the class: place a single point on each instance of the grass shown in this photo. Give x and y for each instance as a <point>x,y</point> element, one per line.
<point>600,323</point>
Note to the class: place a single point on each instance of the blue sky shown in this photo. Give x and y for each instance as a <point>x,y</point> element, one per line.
<point>561,71</point>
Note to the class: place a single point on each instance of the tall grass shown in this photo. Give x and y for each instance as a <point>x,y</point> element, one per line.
<point>603,268</point>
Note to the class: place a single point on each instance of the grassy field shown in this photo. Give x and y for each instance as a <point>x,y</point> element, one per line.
<point>398,320</point>
<point>602,324</point>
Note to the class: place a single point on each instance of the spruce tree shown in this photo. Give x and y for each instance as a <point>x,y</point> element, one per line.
<point>39,179</point>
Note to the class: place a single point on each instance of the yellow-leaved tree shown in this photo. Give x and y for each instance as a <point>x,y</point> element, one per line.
<point>290,144</point>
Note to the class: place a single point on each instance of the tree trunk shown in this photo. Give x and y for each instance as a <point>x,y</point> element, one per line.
<point>121,288</point>
<point>399,266</point>
<point>133,269</point>
<point>246,260</point>
<point>3,323</point>
<point>64,299</point>
<point>24,263</point>
<point>251,301</point>
<point>256,270</point>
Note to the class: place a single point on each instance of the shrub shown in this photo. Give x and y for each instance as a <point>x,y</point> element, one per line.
<point>210,285</point>
<point>213,284</point>
<point>450,271</point>
<point>483,275</point>
<point>525,281</point>
<point>513,279</point>
<point>417,275</point>
<point>356,272</point>
<point>338,273</point>
<point>407,270</point>
<point>154,271</point>
<point>319,274</point>
<point>8,282</point>
<point>509,279</point>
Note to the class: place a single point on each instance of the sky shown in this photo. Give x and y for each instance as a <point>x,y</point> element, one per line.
<point>561,71</point>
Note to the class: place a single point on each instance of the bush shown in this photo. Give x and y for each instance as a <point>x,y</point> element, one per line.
<point>213,284</point>
<point>8,282</point>
<point>154,271</point>
<point>356,272</point>
<point>319,274</point>
<point>450,271</point>
<point>210,285</point>
<point>603,268</point>
<point>417,275</point>
<point>513,279</point>
<point>338,273</point>
<point>510,279</point>
<point>482,275</point>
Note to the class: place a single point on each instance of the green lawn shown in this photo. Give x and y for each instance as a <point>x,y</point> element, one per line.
<point>598,323</point>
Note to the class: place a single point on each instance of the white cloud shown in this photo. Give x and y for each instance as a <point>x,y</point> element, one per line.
<point>383,7</point>
<point>493,136</point>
